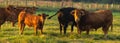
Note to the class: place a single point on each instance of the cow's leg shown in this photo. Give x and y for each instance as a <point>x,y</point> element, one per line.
<point>22,28</point>
<point>65,28</point>
<point>13,24</point>
<point>60,24</point>
<point>60,28</point>
<point>105,30</point>
<point>87,29</point>
<point>72,27</point>
<point>35,30</point>
<point>41,29</point>
<point>78,29</point>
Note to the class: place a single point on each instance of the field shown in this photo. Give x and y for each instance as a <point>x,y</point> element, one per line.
<point>9,34</point>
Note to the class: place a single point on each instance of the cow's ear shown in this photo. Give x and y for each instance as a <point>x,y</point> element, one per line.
<point>72,12</point>
<point>83,12</point>
<point>8,8</point>
<point>39,15</point>
<point>24,9</point>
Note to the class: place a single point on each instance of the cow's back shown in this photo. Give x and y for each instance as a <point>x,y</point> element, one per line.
<point>66,16</point>
<point>31,20</point>
<point>97,19</point>
<point>107,14</point>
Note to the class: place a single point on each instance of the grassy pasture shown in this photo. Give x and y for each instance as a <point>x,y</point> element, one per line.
<point>51,34</point>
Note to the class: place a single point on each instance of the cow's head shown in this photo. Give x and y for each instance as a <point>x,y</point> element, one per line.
<point>11,12</point>
<point>78,13</point>
<point>11,9</point>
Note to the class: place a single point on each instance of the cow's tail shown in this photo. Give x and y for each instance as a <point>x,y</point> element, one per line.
<point>52,15</point>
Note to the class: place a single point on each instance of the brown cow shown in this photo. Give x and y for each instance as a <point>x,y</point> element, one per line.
<point>6,14</point>
<point>29,9</point>
<point>18,9</point>
<point>86,20</point>
<point>26,18</point>
<point>65,17</point>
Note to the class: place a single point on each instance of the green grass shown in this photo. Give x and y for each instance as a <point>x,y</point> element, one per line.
<point>9,34</point>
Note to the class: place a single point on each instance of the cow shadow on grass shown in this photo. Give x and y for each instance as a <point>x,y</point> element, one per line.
<point>67,35</point>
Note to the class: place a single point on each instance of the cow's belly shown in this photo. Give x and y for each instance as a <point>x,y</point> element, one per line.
<point>96,26</point>
<point>28,23</point>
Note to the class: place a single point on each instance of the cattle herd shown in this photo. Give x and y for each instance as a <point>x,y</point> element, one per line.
<point>82,19</point>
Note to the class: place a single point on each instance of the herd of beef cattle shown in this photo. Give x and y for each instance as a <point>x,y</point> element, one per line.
<point>84,20</point>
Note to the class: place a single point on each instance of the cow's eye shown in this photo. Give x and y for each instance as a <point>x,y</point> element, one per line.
<point>81,13</point>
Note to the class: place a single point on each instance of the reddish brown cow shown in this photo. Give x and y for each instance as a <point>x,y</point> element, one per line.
<point>26,18</point>
<point>93,20</point>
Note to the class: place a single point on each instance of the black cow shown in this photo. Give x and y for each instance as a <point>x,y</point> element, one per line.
<point>64,18</point>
